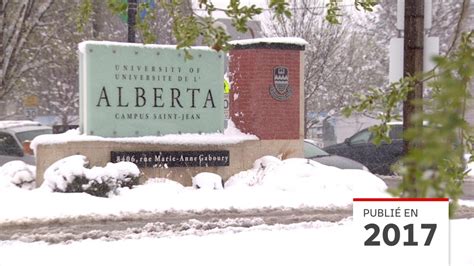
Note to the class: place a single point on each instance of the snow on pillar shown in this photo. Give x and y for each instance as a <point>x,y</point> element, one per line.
<point>267,94</point>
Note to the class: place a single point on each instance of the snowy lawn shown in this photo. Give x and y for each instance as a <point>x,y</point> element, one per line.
<point>271,183</point>
<point>314,243</point>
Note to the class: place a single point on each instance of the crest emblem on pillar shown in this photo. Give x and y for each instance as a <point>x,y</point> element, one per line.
<point>280,90</point>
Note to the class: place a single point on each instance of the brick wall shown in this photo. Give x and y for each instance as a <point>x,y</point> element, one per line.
<point>252,108</point>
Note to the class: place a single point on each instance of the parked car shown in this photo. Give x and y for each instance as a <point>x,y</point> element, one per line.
<point>378,159</point>
<point>313,152</point>
<point>15,137</point>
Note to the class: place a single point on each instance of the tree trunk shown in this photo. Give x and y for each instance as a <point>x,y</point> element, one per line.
<point>413,65</point>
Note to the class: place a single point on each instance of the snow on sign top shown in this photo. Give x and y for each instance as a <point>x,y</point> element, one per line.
<point>276,40</point>
<point>231,135</point>
<point>281,40</point>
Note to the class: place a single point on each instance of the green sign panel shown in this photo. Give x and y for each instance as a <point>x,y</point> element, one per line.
<point>130,90</point>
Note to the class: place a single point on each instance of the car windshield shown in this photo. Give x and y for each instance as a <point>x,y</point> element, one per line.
<point>31,134</point>
<point>361,137</point>
<point>311,150</point>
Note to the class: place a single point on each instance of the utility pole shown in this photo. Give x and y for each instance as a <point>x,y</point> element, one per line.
<point>413,60</point>
<point>413,65</point>
<point>132,12</point>
<point>2,49</point>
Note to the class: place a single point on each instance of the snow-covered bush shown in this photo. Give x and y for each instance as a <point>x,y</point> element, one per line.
<point>72,174</point>
<point>19,174</point>
<point>63,172</point>
<point>208,181</point>
<point>255,175</point>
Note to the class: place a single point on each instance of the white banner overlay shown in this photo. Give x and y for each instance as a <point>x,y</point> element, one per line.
<point>401,231</point>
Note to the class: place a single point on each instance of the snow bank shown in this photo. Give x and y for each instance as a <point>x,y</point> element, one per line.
<point>231,135</point>
<point>271,183</point>
<point>467,203</point>
<point>18,174</point>
<point>307,175</point>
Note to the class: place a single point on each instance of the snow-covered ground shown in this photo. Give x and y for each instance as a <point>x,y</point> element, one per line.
<point>313,243</point>
<point>271,183</point>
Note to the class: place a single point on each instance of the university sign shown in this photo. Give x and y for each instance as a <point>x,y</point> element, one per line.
<point>130,90</point>
<point>135,90</point>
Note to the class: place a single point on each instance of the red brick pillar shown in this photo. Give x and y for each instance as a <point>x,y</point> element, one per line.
<point>266,97</point>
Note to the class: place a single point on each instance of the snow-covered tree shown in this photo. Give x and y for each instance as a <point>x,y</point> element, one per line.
<point>57,84</point>
<point>22,40</point>
<point>340,60</point>
<point>448,20</point>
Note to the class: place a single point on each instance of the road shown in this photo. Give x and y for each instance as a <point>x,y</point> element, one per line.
<point>60,230</point>
<point>169,223</point>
